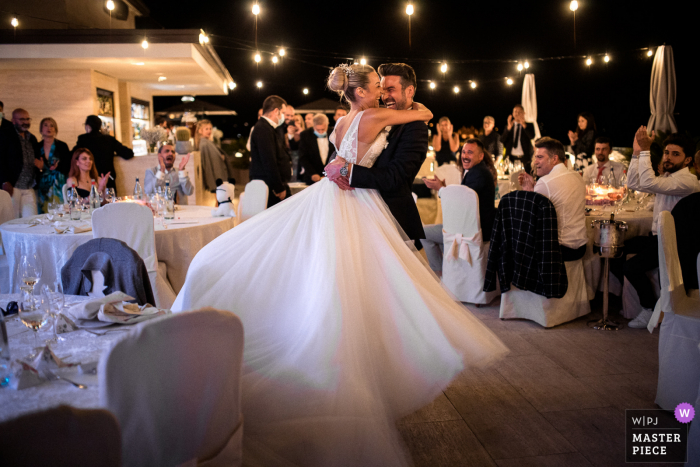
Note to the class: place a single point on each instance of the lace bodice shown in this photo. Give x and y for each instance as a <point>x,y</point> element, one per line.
<point>348,146</point>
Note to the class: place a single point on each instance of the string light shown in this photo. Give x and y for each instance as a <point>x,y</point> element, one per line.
<point>110,5</point>
<point>606,59</point>
<point>573,6</point>
<point>650,53</point>
<point>363,61</point>
<point>14,22</point>
<point>409,9</point>
<point>162,78</point>
<point>456,89</point>
<point>305,91</point>
<point>256,9</point>
<point>144,44</point>
<point>409,12</point>
<point>231,85</point>
<point>203,38</point>
<point>282,52</point>
<point>432,85</point>
<point>275,59</point>
<point>520,67</point>
<point>443,67</point>
<point>259,84</point>
<point>257,58</point>
<point>526,64</point>
<point>589,61</point>
<point>473,85</point>
<point>509,81</point>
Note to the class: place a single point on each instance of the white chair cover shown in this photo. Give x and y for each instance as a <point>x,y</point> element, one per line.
<point>255,201</point>
<point>174,384</point>
<point>64,190</point>
<point>679,336</point>
<point>132,223</point>
<point>694,435</point>
<point>549,312</point>
<point>465,254</point>
<point>450,174</point>
<point>7,213</point>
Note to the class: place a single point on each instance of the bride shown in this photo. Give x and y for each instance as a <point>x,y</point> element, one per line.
<point>346,330</point>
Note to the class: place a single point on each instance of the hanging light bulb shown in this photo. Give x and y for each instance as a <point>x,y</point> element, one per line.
<point>144,44</point>
<point>409,9</point>
<point>259,84</point>
<point>256,9</point>
<point>363,61</point>
<point>606,59</point>
<point>649,53</point>
<point>509,81</point>
<point>573,6</point>
<point>110,5</point>
<point>432,85</point>
<point>589,61</point>
<point>231,85</point>
<point>456,90</point>
<point>526,64</point>
<point>473,85</point>
<point>257,58</point>
<point>275,59</point>
<point>282,52</point>
<point>305,91</point>
<point>443,67</point>
<point>520,67</point>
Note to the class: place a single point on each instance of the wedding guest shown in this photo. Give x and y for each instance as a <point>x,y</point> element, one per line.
<point>479,175</point>
<point>247,144</point>
<point>517,139</point>
<point>289,130</point>
<point>213,159</point>
<point>18,152</point>
<point>599,172</point>
<point>567,192</point>
<point>491,138</point>
<point>309,120</point>
<point>167,125</point>
<point>83,171</point>
<point>583,139</point>
<point>314,149</point>
<point>340,111</point>
<point>696,164</point>
<point>675,183</point>
<point>11,156</point>
<point>445,142</point>
<point>269,160</point>
<point>104,148</point>
<point>180,183</point>
<point>55,161</point>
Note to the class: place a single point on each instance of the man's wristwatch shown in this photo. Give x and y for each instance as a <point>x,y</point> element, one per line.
<point>344,170</point>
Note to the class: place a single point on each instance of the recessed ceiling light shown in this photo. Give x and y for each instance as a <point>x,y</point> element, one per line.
<point>162,78</point>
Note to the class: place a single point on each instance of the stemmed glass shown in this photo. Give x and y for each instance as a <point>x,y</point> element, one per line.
<point>31,315</point>
<point>29,272</point>
<point>110,195</point>
<point>55,301</point>
<point>640,196</point>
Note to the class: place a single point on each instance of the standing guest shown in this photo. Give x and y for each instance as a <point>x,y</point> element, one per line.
<point>11,157</point>
<point>300,122</point>
<point>696,164</point>
<point>18,151</point>
<point>340,111</point>
<point>314,149</point>
<point>269,160</point>
<point>213,159</point>
<point>675,183</point>
<point>296,154</point>
<point>83,172</point>
<point>517,139</point>
<point>56,158</point>
<point>445,142</point>
<point>567,192</point>
<point>309,120</point>
<point>583,139</point>
<point>167,125</point>
<point>289,129</point>
<point>250,135</point>
<point>104,148</point>
<point>491,138</point>
<point>480,176</point>
<point>180,183</point>
<point>599,173</point>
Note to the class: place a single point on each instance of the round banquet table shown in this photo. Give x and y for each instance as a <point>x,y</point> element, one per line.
<point>638,224</point>
<point>176,245</point>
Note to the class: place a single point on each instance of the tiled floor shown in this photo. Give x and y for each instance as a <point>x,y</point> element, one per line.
<point>557,400</point>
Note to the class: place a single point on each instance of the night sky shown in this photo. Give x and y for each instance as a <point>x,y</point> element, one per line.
<point>318,36</point>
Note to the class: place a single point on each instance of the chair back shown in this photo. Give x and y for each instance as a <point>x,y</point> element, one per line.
<point>449,173</point>
<point>460,210</point>
<point>62,436</point>
<point>174,384</point>
<point>132,223</point>
<point>255,201</point>
<point>64,190</point>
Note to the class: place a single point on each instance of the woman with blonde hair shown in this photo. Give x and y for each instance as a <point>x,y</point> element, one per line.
<point>213,161</point>
<point>346,329</point>
<point>55,162</point>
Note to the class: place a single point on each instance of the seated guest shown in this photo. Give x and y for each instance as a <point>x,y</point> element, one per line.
<point>599,173</point>
<point>491,138</point>
<point>180,183</point>
<point>567,192</point>
<point>83,172</point>
<point>55,160</point>
<point>314,149</point>
<point>445,142</point>
<point>479,175</point>
<point>669,188</point>
<point>518,136</point>
<point>583,139</point>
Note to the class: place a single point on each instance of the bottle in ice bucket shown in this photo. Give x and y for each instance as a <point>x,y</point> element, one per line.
<point>169,202</point>
<point>138,191</point>
<point>94,198</point>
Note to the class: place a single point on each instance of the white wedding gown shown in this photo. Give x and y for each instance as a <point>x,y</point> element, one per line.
<point>346,330</point>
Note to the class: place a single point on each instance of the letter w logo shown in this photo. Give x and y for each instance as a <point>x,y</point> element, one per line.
<point>685,413</point>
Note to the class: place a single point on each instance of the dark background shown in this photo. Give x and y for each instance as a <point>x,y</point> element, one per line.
<point>320,35</point>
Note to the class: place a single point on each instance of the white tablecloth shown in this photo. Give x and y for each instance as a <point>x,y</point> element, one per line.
<point>176,246</point>
<point>79,347</point>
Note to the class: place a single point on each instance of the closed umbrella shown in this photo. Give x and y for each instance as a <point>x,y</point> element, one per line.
<point>662,93</point>
<point>530,102</point>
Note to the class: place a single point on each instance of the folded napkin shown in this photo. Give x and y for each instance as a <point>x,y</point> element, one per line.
<point>28,374</point>
<point>74,228</point>
<point>112,309</point>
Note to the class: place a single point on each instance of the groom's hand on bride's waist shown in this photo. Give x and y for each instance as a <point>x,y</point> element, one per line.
<point>332,171</point>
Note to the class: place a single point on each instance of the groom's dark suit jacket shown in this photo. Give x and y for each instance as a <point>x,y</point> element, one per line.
<point>269,160</point>
<point>394,172</point>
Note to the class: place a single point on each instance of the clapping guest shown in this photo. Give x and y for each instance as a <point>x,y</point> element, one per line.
<point>583,139</point>
<point>491,138</point>
<point>179,180</point>
<point>445,142</point>
<point>83,172</point>
<point>314,149</point>
<point>518,136</point>
<point>55,164</point>
<point>213,161</point>
<point>289,129</point>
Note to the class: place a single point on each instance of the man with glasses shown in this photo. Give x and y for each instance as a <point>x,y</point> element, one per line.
<point>19,164</point>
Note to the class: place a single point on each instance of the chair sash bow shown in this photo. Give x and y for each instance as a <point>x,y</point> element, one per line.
<point>459,245</point>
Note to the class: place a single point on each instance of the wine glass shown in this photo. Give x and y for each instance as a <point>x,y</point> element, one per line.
<point>29,272</point>
<point>640,196</point>
<point>32,314</point>
<point>56,301</point>
<point>110,195</point>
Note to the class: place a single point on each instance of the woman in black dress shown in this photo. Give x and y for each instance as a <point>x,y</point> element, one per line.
<point>83,172</point>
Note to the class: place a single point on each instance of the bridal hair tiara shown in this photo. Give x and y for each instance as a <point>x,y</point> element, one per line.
<point>346,69</point>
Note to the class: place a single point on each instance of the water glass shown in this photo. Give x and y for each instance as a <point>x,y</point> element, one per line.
<point>56,301</point>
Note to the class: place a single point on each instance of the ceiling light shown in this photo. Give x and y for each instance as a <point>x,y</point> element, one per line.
<point>187,99</point>
<point>162,78</point>
<point>139,63</point>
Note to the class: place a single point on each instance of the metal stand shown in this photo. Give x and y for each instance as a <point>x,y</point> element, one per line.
<point>604,323</point>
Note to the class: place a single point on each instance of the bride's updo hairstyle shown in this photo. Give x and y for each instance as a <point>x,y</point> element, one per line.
<point>345,79</point>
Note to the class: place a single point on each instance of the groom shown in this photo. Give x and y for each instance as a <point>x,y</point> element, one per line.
<point>397,166</point>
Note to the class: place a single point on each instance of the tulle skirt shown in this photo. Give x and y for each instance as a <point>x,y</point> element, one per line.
<point>346,329</point>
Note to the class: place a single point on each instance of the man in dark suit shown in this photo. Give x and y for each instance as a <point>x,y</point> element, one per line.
<point>11,161</point>
<point>517,138</point>
<point>477,176</point>
<point>315,149</point>
<point>269,159</point>
<point>19,167</point>
<point>103,147</point>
